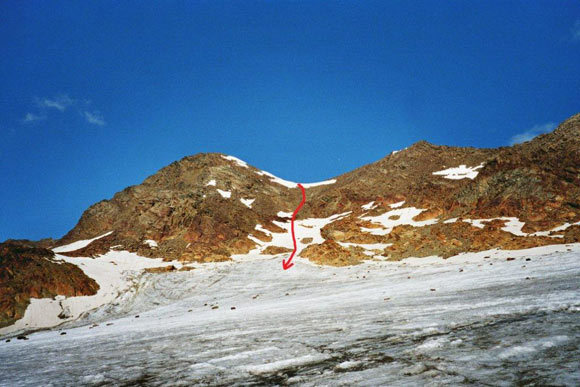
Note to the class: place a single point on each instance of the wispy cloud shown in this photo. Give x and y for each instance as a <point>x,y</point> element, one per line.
<point>576,31</point>
<point>533,132</point>
<point>31,117</point>
<point>94,117</point>
<point>60,102</point>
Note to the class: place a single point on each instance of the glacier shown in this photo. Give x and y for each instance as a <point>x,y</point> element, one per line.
<point>476,318</point>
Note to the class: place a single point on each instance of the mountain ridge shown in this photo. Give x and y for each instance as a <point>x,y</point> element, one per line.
<point>422,201</point>
<point>508,176</point>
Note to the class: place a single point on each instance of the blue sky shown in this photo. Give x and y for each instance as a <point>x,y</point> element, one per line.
<point>98,95</point>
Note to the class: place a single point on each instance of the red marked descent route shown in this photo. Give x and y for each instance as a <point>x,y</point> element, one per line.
<point>288,264</point>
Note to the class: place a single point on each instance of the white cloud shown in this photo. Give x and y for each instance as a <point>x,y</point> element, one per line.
<point>60,102</point>
<point>31,117</point>
<point>576,30</point>
<point>94,117</point>
<point>533,132</point>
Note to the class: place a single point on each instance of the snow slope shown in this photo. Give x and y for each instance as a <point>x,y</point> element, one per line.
<point>115,272</point>
<point>78,244</point>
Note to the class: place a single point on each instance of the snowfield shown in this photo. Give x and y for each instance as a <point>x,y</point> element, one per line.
<point>461,172</point>
<point>472,319</point>
<point>115,272</point>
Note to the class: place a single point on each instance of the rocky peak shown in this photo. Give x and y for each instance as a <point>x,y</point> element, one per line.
<point>208,202</point>
<point>570,127</point>
<point>207,206</point>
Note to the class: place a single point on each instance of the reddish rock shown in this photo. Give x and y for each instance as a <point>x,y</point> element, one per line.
<point>30,272</point>
<point>333,254</point>
<point>275,250</point>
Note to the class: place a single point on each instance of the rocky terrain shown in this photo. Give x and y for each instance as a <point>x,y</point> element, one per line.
<point>30,272</point>
<point>206,207</point>
<point>421,201</point>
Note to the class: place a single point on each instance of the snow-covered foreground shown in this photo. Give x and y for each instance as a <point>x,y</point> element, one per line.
<point>115,272</point>
<point>466,320</point>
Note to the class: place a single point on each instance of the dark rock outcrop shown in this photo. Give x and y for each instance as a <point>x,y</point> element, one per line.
<point>30,272</point>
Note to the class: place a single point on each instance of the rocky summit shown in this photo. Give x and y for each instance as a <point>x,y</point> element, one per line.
<point>425,200</point>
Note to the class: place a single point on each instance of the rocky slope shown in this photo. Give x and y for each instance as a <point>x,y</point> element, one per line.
<point>207,207</point>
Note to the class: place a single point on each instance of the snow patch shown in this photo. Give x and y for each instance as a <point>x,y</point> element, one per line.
<point>368,206</point>
<point>225,194</point>
<point>326,182</point>
<point>262,229</point>
<point>241,163</point>
<point>393,218</point>
<point>555,229</point>
<point>150,243</point>
<point>247,202</point>
<point>512,225</point>
<point>276,179</point>
<point>291,184</point>
<point>461,172</point>
<point>255,240</point>
<point>397,205</point>
<point>211,183</point>
<point>78,244</point>
<point>397,151</point>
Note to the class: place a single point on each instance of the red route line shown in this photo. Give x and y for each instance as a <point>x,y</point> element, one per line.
<point>288,264</point>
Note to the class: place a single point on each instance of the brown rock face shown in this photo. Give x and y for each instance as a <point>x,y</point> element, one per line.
<point>275,250</point>
<point>30,272</point>
<point>163,269</point>
<point>446,240</point>
<point>332,254</point>
<point>194,210</point>
<point>185,208</point>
